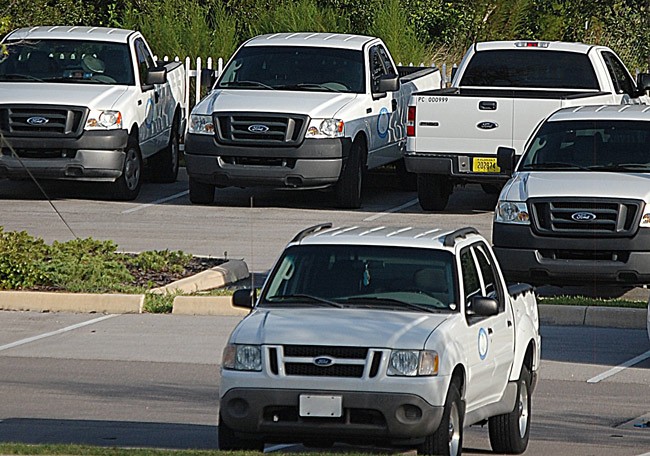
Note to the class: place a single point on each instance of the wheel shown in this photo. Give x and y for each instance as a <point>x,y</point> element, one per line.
<point>407,181</point>
<point>509,432</point>
<point>348,188</point>
<point>491,189</point>
<point>433,192</point>
<point>164,166</point>
<point>127,186</point>
<point>228,441</point>
<point>201,193</point>
<point>448,438</point>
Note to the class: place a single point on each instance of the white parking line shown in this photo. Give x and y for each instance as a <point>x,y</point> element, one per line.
<point>162,200</point>
<point>619,368</point>
<point>54,333</point>
<point>390,211</point>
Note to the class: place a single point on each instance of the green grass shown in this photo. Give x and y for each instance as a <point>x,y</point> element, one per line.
<point>588,301</point>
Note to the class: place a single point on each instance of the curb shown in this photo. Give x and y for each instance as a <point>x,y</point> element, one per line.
<point>607,317</point>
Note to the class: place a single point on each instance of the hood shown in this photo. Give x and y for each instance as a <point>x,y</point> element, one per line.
<point>314,104</point>
<point>89,95</point>
<point>550,184</point>
<point>345,327</point>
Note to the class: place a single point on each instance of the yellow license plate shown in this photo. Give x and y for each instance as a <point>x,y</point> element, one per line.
<point>485,165</point>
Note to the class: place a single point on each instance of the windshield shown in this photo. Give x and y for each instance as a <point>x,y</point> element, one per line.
<point>295,68</point>
<point>603,145</point>
<point>73,61</point>
<point>530,69</point>
<point>363,276</point>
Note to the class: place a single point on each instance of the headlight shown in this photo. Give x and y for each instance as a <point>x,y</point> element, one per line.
<point>645,219</point>
<point>111,120</point>
<point>412,363</point>
<point>242,357</point>
<point>512,212</point>
<point>325,128</point>
<point>201,125</point>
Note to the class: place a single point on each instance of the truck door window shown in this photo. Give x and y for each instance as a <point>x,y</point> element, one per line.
<point>145,60</point>
<point>491,282</point>
<point>471,280</point>
<point>623,83</point>
<point>378,66</point>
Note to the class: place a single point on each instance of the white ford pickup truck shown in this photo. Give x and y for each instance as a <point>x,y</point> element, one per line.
<point>577,209</point>
<point>500,93</point>
<point>385,336</point>
<point>89,104</point>
<point>302,110</point>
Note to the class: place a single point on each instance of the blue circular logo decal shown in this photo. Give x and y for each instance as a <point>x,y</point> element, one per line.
<point>383,122</point>
<point>483,343</point>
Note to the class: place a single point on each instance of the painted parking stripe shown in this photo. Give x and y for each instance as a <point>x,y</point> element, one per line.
<point>619,368</point>
<point>390,211</point>
<point>153,203</point>
<point>54,333</point>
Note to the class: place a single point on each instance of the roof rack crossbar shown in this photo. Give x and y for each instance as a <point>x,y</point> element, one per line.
<point>311,230</point>
<point>450,239</point>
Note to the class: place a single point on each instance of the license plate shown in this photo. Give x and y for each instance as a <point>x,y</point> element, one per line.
<point>320,406</point>
<point>485,165</point>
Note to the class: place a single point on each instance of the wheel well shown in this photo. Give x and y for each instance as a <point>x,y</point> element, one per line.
<point>528,357</point>
<point>458,376</point>
<point>134,134</point>
<point>361,137</point>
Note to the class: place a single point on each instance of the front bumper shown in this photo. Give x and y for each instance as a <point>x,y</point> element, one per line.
<point>527,257</point>
<point>312,164</point>
<point>456,166</point>
<point>272,415</point>
<point>95,155</point>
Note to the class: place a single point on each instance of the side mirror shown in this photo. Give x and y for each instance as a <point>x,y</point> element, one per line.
<point>506,160</point>
<point>388,83</point>
<point>208,77</point>
<point>643,82</point>
<point>481,306</point>
<point>244,297</point>
<point>157,75</point>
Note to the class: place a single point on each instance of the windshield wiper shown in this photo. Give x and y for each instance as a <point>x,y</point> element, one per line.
<point>232,84</point>
<point>552,165</point>
<point>371,300</point>
<point>301,298</point>
<point>621,167</point>
<point>306,85</point>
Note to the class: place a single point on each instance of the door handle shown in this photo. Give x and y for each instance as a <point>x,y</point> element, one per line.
<point>487,105</point>
<point>394,105</point>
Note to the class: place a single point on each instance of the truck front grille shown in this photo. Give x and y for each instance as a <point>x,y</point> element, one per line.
<point>260,129</point>
<point>42,121</point>
<point>302,360</point>
<point>585,216</point>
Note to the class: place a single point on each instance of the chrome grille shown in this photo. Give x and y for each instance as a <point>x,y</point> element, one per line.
<point>586,216</point>
<point>42,121</point>
<point>267,129</point>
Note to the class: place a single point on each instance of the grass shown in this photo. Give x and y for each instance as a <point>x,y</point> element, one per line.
<point>588,301</point>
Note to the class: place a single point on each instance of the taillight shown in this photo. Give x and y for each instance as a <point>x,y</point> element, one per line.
<point>410,121</point>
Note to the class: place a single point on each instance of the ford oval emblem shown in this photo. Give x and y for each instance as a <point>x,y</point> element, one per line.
<point>487,125</point>
<point>258,128</point>
<point>583,216</point>
<point>38,120</point>
<point>323,361</point>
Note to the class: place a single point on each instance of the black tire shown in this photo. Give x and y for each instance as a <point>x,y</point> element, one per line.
<point>228,440</point>
<point>407,181</point>
<point>164,165</point>
<point>433,192</point>
<point>200,192</point>
<point>348,188</point>
<point>448,438</point>
<point>491,189</point>
<point>127,186</point>
<point>509,433</point>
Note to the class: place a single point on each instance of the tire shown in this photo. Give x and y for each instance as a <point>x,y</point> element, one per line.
<point>201,193</point>
<point>407,181</point>
<point>509,433</point>
<point>228,440</point>
<point>491,189</point>
<point>127,186</point>
<point>164,166</point>
<point>433,192</point>
<point>348,188</point>
<point>448,438</point>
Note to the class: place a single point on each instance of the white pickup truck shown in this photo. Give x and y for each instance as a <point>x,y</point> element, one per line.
<point>89,104</point>
<point>500,93</point>
<point>303,110</point>
<point>577,209</point>
<point>383,336</point>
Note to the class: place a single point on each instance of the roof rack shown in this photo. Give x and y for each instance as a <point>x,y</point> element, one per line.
<point>450,239</point>
<point>311,230</point>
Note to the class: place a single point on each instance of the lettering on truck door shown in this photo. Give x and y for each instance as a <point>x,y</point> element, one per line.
<point>384,115</point>
<point>489,342</point>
